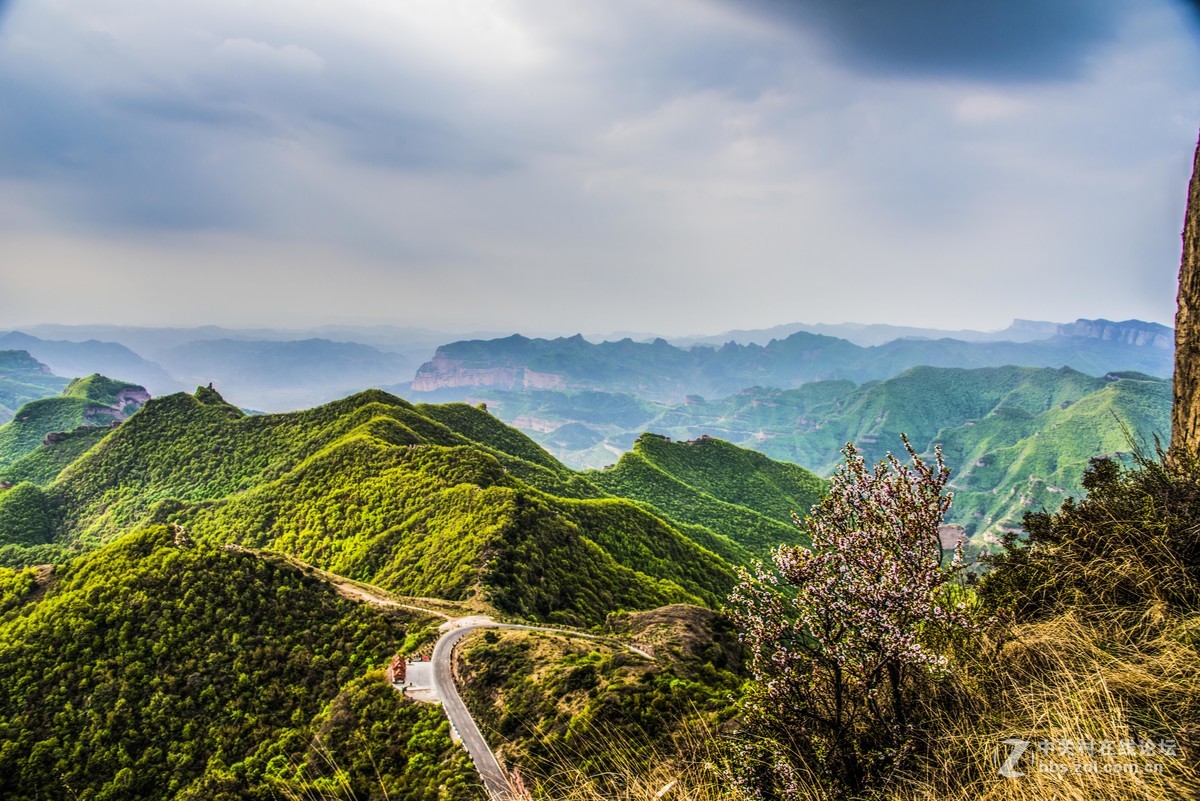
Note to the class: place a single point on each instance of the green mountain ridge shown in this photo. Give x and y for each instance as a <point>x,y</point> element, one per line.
<point>1041,425</point>
<point>85,408</point>
<point>186,649</point>
<point>749,499</point>
<point>422,500</point>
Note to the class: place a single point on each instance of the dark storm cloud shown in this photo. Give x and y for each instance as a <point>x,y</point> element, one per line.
<point>1194,5</point>
<point>994,40</point>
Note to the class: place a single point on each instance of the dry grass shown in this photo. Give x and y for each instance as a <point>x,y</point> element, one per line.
<point>1128,675</point>
<point>1124,677</point>
<point>689,771</point>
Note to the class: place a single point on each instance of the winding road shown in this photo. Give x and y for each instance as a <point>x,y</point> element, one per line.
<point>494,779</point>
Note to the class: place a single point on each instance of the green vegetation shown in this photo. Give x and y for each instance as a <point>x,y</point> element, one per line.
<point>92,402</point>
<point>1017,438</point>
<point>441,501</point>
<point>162,664</point>
<point>742,496</point>
<point>1084,646</point>
<point>24,379</point>
<point>1012,462</point>
<point>25,516</point>
<point>365,744</point>
<point>43,464</point>
<point>157,668</point>
<point>558,706</point>
<point>106,391</point>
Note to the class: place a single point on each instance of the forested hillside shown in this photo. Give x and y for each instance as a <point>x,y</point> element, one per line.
<point>440,501</point>
<point>737,493</point>
<point>77,418</point>
<point>562,708</point>
<point>160,668</point>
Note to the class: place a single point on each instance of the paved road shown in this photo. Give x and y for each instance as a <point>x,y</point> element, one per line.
<point>494,780</point>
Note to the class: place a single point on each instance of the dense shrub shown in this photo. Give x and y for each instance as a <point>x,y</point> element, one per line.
<point>1134,540</point>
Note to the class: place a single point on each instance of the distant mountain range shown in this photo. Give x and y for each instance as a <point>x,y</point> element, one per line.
<point>1017,438</point>
<point>290,374</point>
<point>268,374</point>
<point>867,334</point>
<point>664,372</point>
<point>279,370</point>
<point>68,358</point>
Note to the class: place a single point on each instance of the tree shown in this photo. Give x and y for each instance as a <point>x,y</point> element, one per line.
<point>843,633</point>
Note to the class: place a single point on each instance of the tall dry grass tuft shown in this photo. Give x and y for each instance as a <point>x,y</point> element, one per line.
<point>689,769</point>
<point>1130,678</point>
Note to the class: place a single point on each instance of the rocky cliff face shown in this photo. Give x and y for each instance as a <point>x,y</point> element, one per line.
<point>1130,332</point>
<point>442,371</point>
<point>130,400</point>
<point>1185,412</point>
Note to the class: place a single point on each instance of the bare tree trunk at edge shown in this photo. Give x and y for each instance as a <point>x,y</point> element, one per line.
<point>1185,410</point>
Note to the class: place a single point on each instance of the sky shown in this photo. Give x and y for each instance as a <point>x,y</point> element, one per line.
<point>669,166</point>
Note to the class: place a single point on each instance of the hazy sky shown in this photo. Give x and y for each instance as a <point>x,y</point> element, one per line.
<point>667,165</point>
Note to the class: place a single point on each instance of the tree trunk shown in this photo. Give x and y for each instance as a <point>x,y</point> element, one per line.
<point>1185,412</point>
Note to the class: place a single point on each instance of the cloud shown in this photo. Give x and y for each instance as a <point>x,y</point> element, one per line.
<point>1009,41</point>
<point>651,164</point>
<point>250,53</point>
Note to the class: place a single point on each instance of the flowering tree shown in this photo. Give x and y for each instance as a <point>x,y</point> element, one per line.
<point>842,632</point>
